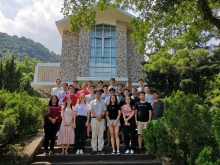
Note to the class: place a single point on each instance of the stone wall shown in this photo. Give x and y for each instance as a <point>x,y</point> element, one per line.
<point>48,73</point>
<point>134,60</point>
<point>83,57</point>
<point>121,49</point>
<point>69,56</point>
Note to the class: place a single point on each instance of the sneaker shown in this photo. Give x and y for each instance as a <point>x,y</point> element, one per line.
<point>113,152</point>
<point>140,151</point>
<point>57,133</point>
<point>88,139</point>
<point>147,152</point>
<point>122,144</point>
<point>131,151</point>
<point>118,153</point>
<point>46,152</point>
<point>127,152</point>
<point>101,152</point>
<point>81,151</point>
<point>77,152</point>
<point>51,152</point>
<point>93,152</point>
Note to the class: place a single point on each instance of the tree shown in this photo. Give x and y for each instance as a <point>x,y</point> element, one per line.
<point>1,75</point>
<point>158,20</point>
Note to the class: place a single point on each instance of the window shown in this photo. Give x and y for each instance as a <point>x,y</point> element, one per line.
<point>102,51</point>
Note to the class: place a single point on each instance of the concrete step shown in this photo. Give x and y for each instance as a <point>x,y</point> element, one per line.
<point>89,157</point>
<point>106,162</point>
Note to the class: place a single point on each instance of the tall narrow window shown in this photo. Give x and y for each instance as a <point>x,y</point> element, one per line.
<point>102,51</point>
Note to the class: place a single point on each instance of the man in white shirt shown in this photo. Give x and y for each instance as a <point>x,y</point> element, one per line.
<point>141,88</point>
<point>107,99</point>
<point>112,85</point>
<point>57,89</point>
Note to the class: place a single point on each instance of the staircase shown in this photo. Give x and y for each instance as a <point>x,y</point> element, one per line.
<point>87,159</point>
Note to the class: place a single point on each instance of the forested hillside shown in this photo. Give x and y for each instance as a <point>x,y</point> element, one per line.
<point>21,47</point>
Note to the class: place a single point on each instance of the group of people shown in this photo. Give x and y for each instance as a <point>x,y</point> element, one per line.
<point>74,112</point>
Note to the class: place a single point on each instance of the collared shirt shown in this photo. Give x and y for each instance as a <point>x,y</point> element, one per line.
<point>82,109</point>
<point>148,98</point>
<point>61,95</point>
<point>90,98</point>
<point>107,100</point>
<point>140,90</point>
<point>98,107</point>
<point>56,90</point>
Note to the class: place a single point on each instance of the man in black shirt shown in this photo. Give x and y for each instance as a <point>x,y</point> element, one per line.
<point>134,96</point>
<point>120,91</point>
<point>143,114</point>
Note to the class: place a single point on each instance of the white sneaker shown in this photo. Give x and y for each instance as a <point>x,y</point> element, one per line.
<point>77,152</point>
<point>131,152</point>
<point>122,144</point>
<point>57,133</point>
<point>127,152</point>
<point>81,151</point>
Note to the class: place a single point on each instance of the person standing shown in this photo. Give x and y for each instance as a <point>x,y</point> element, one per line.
<point>51,122</point>
<point>82,120</point>
<point>63,93</point>
<point>127,111</point>
<point>143,114</point>
<point>83,90</point>
<point>141,87</point>
<point>75,84</point>
<point>90,97</point>
<point>57,89</point>
<point>112,85</point>
<point>111,92</point>
<point>100,86</point>
<point>98,110</point>
<point>113,122</point>
<point>157,107</point>
<point>105,94</point>
<point>66,135</point>
<point>134,96</point>
<point>89,84</point>
<point>148,96</point>
<point>129,87</point>
<point>72,95</point>
<point>120,91</point>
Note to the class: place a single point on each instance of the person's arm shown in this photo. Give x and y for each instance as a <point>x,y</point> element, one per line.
<point>91,109</point>
<point>107,118</point>
<point>119,114</point>
<point>73,117</point>
<point>135,114</point>
<point>150,112</point>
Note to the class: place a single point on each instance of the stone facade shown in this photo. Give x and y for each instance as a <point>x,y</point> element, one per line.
<point>69,56</point>
<point>84,51</point>
<point>48,73</point>
<point>134,60</point>
<point>121,49</point>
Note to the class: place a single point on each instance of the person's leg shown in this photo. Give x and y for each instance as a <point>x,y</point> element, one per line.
<point>66,151</point>
<point>83,134</point>
<point>62,146</point>
<point>108,137</point>
<point>116,129</point>
<point>111,130</point>
<point>94,127</point>
<point>101,128</point>
<point>126,135</point>
<point>132,133</point>
<point>77,133</point>
<point>88,129</point>
<point>139,128</point>
<point>47,135</point>
<point>53,136</point>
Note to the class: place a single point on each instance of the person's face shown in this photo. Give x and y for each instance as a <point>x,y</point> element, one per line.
<point>82,97</point>
<point>155,96</point>
<point>54,100</point>
<point>113,99</point>
<point>75,84</point>
<point>111,92</point>
<point>89,84</point>
<point>142,96</point>
<point>141,83</point>
<point>119,87</point>
<point>128,84</point>
<point>126,93</point>
<point>71,89</point>
<point>97,96</point>
<point>65,87</point>
<point>91,90</point>
<point>69,100</point>
<point>58,82</point>
<point>127,100</point>
<point>112,82</point>
<point>105,89</point>
<point>134,92</point>
<point>84,86</point>
<point>100,85</point>
<point>147,90</point>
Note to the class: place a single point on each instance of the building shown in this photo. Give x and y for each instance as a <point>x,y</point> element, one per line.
<point>106,52</point>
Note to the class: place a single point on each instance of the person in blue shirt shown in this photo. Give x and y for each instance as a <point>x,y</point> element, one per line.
<point>148,96</point>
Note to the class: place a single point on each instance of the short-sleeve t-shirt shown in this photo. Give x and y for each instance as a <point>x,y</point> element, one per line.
<point>81,109</point>
<point>61,95</point>
<point>90,98</point>
<point>135,99</point>
<point>73,97</point>
<point>143,111</point>
<point>85,92</point>
<point>157,109</point>
<point>113,111</point>
<point>103,96</point>
<point>127,110</point>
<point>97,106</point>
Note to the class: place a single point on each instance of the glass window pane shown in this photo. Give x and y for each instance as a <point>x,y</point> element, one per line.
<point>98,52</point>
<point>107,52</point>
<point>113,52</point>
<point>92,52</point>
<point>113,32</point>
<point>92,34</point>
<point>98,32</point>
<point>98,62</point>
<point>92,42</point>
<point>106,62</point>
<point>107,42</point>
<point>106,74</point>
<point>113,62</point>
<point>99,26</point>
<point>98,72</point>
<point>92,62</point>
<point>107,26</point>
<point>92,72</point>
<point>113,42</point>
<point>114,72</point>
<point>107,32</point>
<point>98,42</point>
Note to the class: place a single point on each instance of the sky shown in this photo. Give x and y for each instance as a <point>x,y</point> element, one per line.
<point>34,19</point>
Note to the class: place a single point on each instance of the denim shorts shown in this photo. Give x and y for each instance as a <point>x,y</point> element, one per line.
<point>118,123</point>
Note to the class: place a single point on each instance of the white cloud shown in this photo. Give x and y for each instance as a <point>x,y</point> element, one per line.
<point>33,19</point>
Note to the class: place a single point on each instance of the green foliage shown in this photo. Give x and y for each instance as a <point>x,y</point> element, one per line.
<point>205,157</point>
<point>21,47</point>
<point>159,20</point>
<point>20,115</point>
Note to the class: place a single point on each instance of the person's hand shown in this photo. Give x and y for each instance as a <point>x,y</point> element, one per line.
<point>74,125</point>
<point>53,121</point>
<point>111,123</point>
<point>126,123</point>
<point>98,118</point>
<point>87,124</point>
<point>126,120</point>
<point>65,124</point>
<point>137,123</point>
<point>115,123</point>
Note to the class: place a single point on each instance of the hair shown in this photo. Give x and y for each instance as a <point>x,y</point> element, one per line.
<point>141,80</point>
<point>64,84</point>
<point>126,90</point>
<point>155,91</point>
<point>66,103</point>
<point>135,89</point>
<point>105,86</point>
<point>131,101</point>
<point>78,100</point>
<point>116,101</point>
<point>50,101</point>
<point>58,80</point>
<point>141,93</point>
<point>75,81</point>
<point>90,81</point>
<point>100,82</point>
<point>92,87</point>
<point>128,81</point>
<point>111,89</point>
<point>112,79</point>
<point>120,84</point>
<point>71,86</point>
<point>98,91</point>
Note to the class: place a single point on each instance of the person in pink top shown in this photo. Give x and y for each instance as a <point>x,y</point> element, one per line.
<point>127,111</point>
<point>83,90</point>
